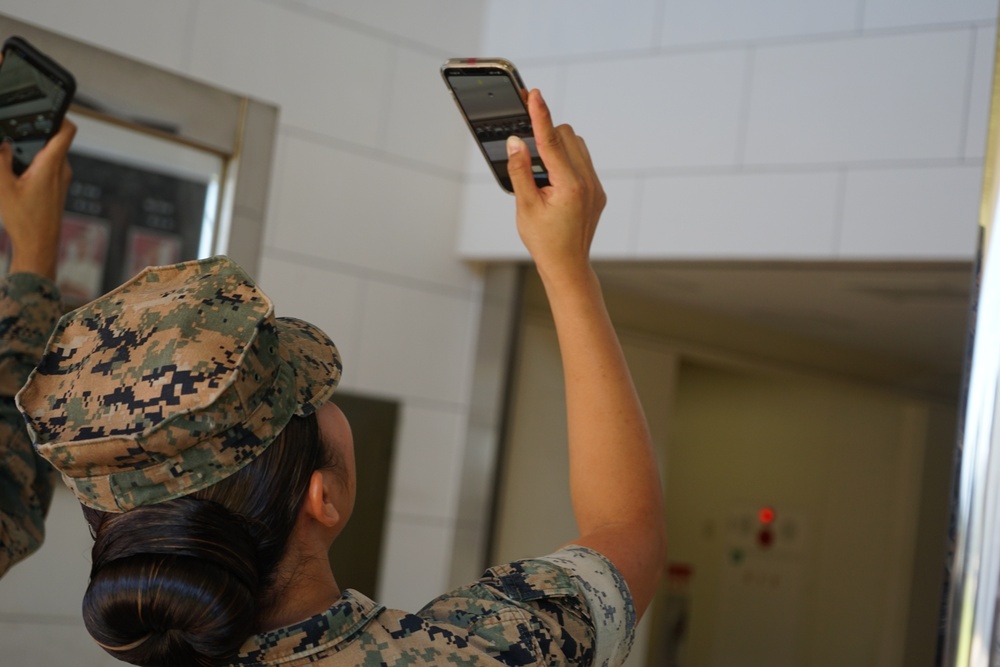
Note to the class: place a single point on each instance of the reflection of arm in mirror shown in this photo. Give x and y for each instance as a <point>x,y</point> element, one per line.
<point>31,208</point>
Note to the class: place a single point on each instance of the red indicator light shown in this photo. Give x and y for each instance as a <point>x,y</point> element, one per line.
<point>766,515</point>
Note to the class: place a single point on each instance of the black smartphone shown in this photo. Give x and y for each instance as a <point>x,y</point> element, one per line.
<point>491,96</point>
<point>35,92</point>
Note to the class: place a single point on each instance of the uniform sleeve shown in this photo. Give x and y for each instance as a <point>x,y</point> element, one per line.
<point>29,309</point>
<point>607,598</point>
<point>569,608</point>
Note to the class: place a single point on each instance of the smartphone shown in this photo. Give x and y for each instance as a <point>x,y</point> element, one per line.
<point>491,96</point>
<point>35,92</point>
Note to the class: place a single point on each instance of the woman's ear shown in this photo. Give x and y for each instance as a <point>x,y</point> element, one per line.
<point>318,503</point>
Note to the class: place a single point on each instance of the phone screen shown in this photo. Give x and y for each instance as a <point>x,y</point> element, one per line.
<point>491,102</point>
<point>31,104</point>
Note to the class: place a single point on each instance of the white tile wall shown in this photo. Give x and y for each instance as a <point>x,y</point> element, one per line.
<point>423,123</point>
<point>881,98</point>
<point>897,13</point>
<point>663,111</point>
<point>527,29</point>
<point>488,228</point>
<point>428,460</point>
<point>739,215</point>
<point>416,344</point>
<point>447,26</point>
<point>365,211</point>
<point>912,213</point>
<point>551,80</point>
<point>166,46</point>
<point>825,87</point>
<point>279,163</point>
<point>615,236</point>
<point>715,21</point>
<point>309,67</point>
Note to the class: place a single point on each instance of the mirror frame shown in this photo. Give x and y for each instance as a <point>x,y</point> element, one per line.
<point>972,598</point>
<point>149,100</point>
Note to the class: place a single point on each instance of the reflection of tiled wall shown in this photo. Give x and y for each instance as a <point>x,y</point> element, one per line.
<point>780,129</point>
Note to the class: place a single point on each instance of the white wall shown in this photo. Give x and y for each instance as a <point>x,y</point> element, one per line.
<point>782,129</point>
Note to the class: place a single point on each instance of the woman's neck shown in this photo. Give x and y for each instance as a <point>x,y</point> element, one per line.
<point>307,587</point>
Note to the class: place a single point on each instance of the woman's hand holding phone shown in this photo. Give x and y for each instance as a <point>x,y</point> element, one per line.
<point>492,99</point>
<point>31,205</point>
<point>556,222</point>
<point>35,92</point>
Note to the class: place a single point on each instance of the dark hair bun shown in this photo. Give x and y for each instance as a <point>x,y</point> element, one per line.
<point>174,583</point>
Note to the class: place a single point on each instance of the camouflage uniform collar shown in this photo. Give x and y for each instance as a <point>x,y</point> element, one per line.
<point>352,612</point>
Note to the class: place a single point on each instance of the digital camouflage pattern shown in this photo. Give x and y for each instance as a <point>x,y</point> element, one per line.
<point>170,383</point>
<point>572,607</point>
<point>29,308</point>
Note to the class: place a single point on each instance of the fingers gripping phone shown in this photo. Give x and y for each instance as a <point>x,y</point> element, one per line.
<point>35,92</point>
<point>491,96</point>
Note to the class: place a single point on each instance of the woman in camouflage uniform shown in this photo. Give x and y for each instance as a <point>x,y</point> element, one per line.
<point>196,429</point>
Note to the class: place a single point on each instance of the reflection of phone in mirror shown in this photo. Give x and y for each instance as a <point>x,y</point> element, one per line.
<point>491,97</point>
<point>35,92</point>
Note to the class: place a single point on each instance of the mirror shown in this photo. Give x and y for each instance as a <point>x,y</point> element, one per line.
<point>165,167</point>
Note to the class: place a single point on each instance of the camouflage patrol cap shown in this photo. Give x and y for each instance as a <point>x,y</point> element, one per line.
<point>170,383</point>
